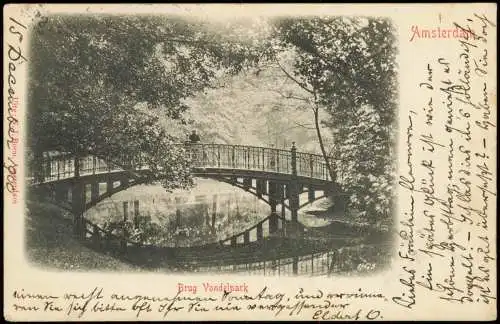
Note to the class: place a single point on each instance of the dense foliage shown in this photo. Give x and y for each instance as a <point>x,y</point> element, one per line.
<point>348,66</point>
<point>107,85</point>
<point>116,86</point>
<point>334,79</point>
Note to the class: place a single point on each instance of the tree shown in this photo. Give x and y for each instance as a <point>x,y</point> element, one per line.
<point>347,68</point>
<point>249,110</point>
<point>105,85</point>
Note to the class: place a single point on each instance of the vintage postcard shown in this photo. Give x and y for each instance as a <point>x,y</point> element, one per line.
<point>250,162</point>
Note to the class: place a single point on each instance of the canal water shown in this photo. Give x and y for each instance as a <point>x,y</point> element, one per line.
<point>356,260</point>
<point>209,212</point>
<point>213,211</point>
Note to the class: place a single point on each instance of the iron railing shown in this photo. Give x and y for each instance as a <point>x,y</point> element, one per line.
<point>56,166</point>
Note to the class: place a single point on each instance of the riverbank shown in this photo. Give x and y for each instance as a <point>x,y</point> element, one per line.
<point>50,244</point>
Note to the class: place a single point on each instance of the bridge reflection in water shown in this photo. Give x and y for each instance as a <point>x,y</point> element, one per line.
<point>344,258</point>
<point>315,265</point>
<point>210,212</point>
<point>327,263</point>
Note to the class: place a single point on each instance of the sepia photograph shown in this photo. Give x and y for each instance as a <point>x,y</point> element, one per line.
<point>250,162</point>
<point>164,143</point>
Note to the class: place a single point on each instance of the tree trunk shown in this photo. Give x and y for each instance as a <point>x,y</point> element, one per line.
<point>331,172</point>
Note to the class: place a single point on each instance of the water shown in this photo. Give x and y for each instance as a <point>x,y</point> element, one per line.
<point>350,261</point>
<point>213,211</point>
<point>209,212</point>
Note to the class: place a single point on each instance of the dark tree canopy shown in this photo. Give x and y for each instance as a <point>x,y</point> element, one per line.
<point>100,84</point>
<point>348,65</point>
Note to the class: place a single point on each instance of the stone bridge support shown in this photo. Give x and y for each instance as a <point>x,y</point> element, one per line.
<point>78,207</point>
<point>273,202</point>
<point>94,191</point>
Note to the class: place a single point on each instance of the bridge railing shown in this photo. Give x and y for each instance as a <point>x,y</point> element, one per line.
<point>55,166</point>
<point>240,157</point>
<point>312,165</point>
<point>255,158</point>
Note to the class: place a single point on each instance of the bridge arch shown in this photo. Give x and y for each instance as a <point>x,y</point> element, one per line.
<point>60,193</point>
<point>279,176</point>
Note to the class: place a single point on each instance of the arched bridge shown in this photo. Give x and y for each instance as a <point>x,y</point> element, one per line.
<point>276,176</point>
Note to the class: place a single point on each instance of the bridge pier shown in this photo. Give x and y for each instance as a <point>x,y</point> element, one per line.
<point>295,265</point>
<point>273,201</point>
<point>61,193</point>
<point>274,198</point>
<point>109,185</point>
<point>78,206</point>
<point>94,191</point>
<point>273,223</point>
<point>247,183</point>
<point>136,213</point>
<point>261,187</point>
<point>260,232</point>
<point>265,190</point>
<point>124,181</point>
<point>311,193</point>
<point>293,198</point>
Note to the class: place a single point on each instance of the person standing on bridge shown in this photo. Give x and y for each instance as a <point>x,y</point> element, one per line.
<point>194,138</point>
